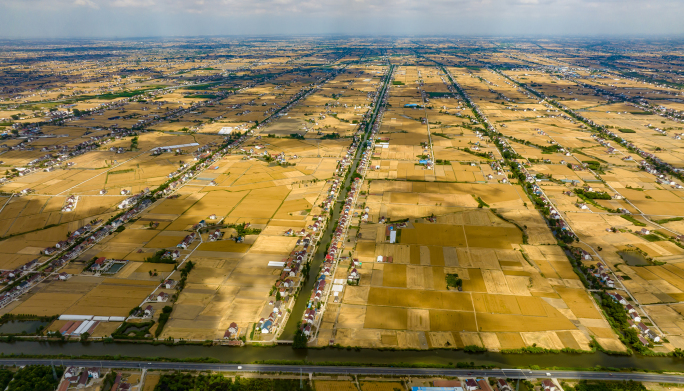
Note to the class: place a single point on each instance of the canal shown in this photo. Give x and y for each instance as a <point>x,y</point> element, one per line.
<point>305,293</point>
<point>251,354</point>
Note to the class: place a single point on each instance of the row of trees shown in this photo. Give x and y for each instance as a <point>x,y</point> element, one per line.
<point>216,382</point>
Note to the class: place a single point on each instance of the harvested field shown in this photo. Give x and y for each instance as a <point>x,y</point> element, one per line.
<point>330,385</point>
<point>457,301</point>
<point>380,386</point>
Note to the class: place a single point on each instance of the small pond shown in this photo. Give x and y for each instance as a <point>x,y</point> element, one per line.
<point>633,258</point>
<point>19,326</point>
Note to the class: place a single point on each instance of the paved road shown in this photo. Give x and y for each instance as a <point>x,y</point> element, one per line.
<point>386,371</point>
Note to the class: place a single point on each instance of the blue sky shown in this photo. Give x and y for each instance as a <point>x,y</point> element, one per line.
<point>146,18</point>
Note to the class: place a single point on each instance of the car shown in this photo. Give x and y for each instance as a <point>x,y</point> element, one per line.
<point>239,367</point>
<point>548,374</point>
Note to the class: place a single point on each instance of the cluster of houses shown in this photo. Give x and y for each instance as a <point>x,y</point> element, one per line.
<point>168,284</point>
<point>58,155</point>
<point>70,203</point>
<point>346,161</point>
<point>318,224</point>
<point>332,195</point>
<point>7,276</point>
<point>496,167</point>
<point>302,93</point>
<point>337,241</point>
<point>90,240</point>
<point>603,275</point>
<point>199,225</point>
<point>312,309</point>
<point>185,177</point>
<point>64,244</point>
<point>117,149</point>
<point>345,218</point>
<point>187,241</point>
<point>215,235</point>
<point>364,216</point>
<point>366,155</point>
<point>271,324</point>
<point>232,333</point>
<point>79,377</point>
<point>17,172</point>
<point>19,289</point>
<point>479,384</point>
<point>159,297</point>
<point>648,166</point>
<point>179,171</point>
<point>171,254</point>
<point>284,288</point>
<point>130,201</point>
<point>645,333</point>
<point>102,265</point>
<point>667,112</point>
<point>292,268</point>
<point>354,275</point>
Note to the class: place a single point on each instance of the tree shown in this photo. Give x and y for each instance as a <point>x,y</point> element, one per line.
<point>300,339</point>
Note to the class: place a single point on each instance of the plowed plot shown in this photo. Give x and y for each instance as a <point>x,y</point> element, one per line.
<point>262,203</point>
<point>391,318</point>
<point>457,301</point>
<point>452,321</point>
<point>579,302</point>
<point>455,236</point>
<point>435,235</point>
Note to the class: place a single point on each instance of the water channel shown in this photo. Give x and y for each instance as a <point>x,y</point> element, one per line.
<point>249,354</point>
<point>318,258</point>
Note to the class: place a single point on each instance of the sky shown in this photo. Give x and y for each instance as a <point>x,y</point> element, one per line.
<point>164,18</point>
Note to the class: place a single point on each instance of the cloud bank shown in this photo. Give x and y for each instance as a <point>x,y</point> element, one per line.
<point>147,18</point>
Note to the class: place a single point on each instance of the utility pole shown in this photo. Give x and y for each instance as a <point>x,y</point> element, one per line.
<point>54,373</point>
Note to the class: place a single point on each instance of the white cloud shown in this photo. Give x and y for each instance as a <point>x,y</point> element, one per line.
<point>133,3</point>
<point>86,3</point>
